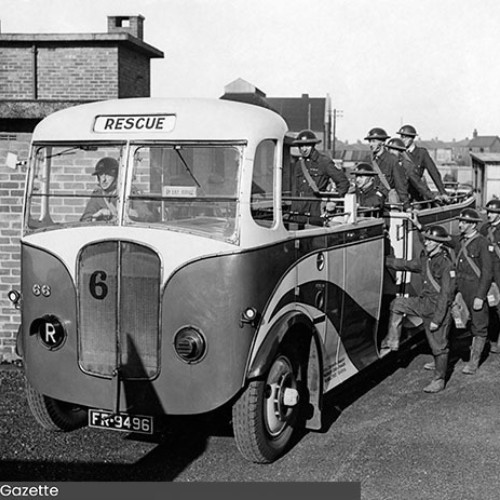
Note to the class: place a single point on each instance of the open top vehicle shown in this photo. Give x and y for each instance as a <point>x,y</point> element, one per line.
<point>202,289</point>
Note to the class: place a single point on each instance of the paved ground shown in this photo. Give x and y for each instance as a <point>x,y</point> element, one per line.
<point>381,430</point>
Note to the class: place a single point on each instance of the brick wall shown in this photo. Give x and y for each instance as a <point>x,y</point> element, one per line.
<point>134,74</point>
<point>16,73</point>
<point>74,73</point>
<point>11,198</point>
<point>78,73</point>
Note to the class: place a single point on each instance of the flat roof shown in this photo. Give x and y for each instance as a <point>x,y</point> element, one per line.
<point>80,38</point>
<point>486,157</point>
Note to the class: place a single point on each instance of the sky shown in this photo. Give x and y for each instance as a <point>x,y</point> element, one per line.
<point>384,63</point>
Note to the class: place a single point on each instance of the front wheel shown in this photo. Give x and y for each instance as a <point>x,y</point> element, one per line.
<point>267,415</point>
<point>55,415</point>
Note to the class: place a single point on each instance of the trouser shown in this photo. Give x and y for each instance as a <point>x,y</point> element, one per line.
<point>421,307</point>
<point>479,319</point>
<point>493,329</point>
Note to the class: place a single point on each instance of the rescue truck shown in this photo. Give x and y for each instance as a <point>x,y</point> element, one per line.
<point>219,296</point>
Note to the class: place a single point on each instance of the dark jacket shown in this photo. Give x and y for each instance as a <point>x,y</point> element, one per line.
<point>321,168</point>
<point>477,249</point>
<point>417,188</point>
<point>101,199</point>
<point>442,270</point>
<point>371,197</point>
<point>395,175</point>
<point>492,234</point>
<point>423,161</point>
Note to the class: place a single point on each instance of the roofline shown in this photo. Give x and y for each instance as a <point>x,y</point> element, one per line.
<point>55,38</point>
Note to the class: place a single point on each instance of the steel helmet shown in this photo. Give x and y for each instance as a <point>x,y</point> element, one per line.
<point>408,130</point>
<point>436,233</point>
<point>363,169</point>
<point>469,215</point>
<point>306,137</point>
<point>493,206</point>
<point>396,143</point>
<point>106,165</point>
<point>377,133</point>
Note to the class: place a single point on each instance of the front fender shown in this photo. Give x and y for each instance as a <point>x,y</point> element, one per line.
<point>268,349</point>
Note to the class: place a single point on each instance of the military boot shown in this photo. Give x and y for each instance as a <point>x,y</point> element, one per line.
<point>438,383</point>
<point>495,346</point>
<point>391,340</point>
<point>475,355</point>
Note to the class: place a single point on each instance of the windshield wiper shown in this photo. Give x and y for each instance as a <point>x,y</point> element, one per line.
<point>188,169</point>
<point>71,151</point>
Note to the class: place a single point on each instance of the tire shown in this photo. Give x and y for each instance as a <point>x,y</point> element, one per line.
<point>55,415</point>
<point>264,427</point>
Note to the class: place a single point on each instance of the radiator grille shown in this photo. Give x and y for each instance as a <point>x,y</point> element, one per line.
<point>119,295</point>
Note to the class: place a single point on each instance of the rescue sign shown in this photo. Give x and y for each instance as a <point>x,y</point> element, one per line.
<point>134,123</point>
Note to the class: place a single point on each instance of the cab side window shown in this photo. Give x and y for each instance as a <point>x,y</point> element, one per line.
<point>262,199</point>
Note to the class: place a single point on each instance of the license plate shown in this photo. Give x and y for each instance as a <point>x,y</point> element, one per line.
<point>102,419</point>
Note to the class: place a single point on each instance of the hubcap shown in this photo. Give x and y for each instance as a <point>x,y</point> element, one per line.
<point>281,396</point>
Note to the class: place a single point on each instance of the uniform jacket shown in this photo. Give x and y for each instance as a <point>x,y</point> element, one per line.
<point>371,197</point>
<point>395,174</point>
<point>442,269</point>
<point>479,252</point>
<point>417,188</point>
<point>101,199</point>
<point>492,234</point>
<point>321,168</point>
<point>423,161</point>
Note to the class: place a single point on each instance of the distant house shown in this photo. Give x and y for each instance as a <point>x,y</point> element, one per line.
<point>441,152</point>
<point>306,113</point>
<point>477,145</point>
<point>299,113</point>
<point>242,91</point>
<point>484,144</point>
<point>350,154</point>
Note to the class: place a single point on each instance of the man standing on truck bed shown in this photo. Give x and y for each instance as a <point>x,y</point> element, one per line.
<point>393,181</point>
<point>313,172</point>
<point>422,159</point>
<point>368,195</point>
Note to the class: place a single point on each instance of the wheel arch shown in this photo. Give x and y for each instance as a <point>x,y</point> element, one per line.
<point>288,327</point>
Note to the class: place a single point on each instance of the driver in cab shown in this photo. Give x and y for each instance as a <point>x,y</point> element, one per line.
<point>102,204</point>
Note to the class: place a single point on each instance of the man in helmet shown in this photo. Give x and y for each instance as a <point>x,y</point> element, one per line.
<point>474,276</point>
<point>417,188</point>
<point>433,305</point>
<point>491,231</point>
<point>392,178</point>
<point>313,172</point>
<point>422,160</point>
<point>102,204</point>
<point>367,192</point>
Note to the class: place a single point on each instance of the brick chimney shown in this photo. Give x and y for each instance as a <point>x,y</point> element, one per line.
<point>128,24</point>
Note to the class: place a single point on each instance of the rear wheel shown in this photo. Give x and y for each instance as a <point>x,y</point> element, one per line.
<point>267,415</point>
<point>55,415</point>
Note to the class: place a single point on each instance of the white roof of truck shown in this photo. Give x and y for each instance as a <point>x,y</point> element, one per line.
<point>183,119</point>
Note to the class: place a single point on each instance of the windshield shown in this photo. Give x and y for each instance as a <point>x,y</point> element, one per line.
<point>74,184</point>
<point>187,188</point>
